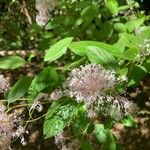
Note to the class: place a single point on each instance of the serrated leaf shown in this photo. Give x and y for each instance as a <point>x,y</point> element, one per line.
<point>11,62</point>
<point>19,89</point>
<point>100,56</point>
<point>58,49</point>
<point>58,117</point>
<point>53,127</point>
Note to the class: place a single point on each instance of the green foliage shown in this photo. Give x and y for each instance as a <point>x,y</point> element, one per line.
<point>100,133</point>
<point>100,56</point>
<point>85,145</point>
<point>46,79</point>
<point>105,136</point>
<point>57,50</point>
<point>59,116</point>
<point>129,122</point>
<point>111,33</point>
<point>19,89</point>
<point>112,6</point>
<point>135,75</point>
<point>132,25</point>
<point>81,48</point>
<point>11,62</point>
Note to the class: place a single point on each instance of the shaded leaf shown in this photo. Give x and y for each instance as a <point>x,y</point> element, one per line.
<point>11,62</point>
<point>19,89</point>
<point>47,78</point>
<point>86,145</point>
<point>136,74</point>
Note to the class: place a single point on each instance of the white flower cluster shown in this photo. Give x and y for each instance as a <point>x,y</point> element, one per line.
<point>4,84</point>
<point>10,127</point>
<point>116,107</point>
<point>65,141</point>
<point>44,7</point>
<point>144,48</point>
<point>90,81</point>
<point>92,84</point>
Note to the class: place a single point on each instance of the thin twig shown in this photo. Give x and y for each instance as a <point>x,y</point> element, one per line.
<point>26,12</point>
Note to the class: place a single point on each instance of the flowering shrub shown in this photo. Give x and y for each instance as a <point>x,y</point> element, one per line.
<point>100,49</point>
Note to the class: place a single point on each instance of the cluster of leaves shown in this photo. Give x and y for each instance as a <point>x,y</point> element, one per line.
<point>85,20</point>
<point>83,29</point>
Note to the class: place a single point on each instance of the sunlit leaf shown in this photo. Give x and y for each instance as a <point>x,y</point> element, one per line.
<point>58,49</point>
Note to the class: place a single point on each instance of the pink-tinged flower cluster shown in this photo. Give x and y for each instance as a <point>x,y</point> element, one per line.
<point>92,84</point>
<point>4,84</point>
<point>10,127</point>
<point>90,81</point>
<point>116,107</point>
<point>44,7</point>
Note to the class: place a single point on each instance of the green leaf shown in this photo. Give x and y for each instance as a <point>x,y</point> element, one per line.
<point>75,64</point>
<point>112,6</point>
<point>11,62</point>
<point>100,56</point>
<point>105,137</point>
<point>131,53</point>
<point>100,133</point>
<point>58,49</point>
<point>87,15</point>
<point>136,74</point>
<point>146,65</point>
<point>47,78</point>
<point>119,27</point>
<point>111,144</point>
<point>133,24</point>
<point>129,122</point>
<point>104,32</point>
<point>59,115</point>
<point>81,48</point>
<point>86,145</point>
<point>57,21</point>
<point>53,127</point>
<point>19,89</point>
<point>126,40</point>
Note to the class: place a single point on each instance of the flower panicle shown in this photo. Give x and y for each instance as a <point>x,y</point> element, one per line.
<point>89,81</point>
<point>10,127</point>
<point>4,84</point>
